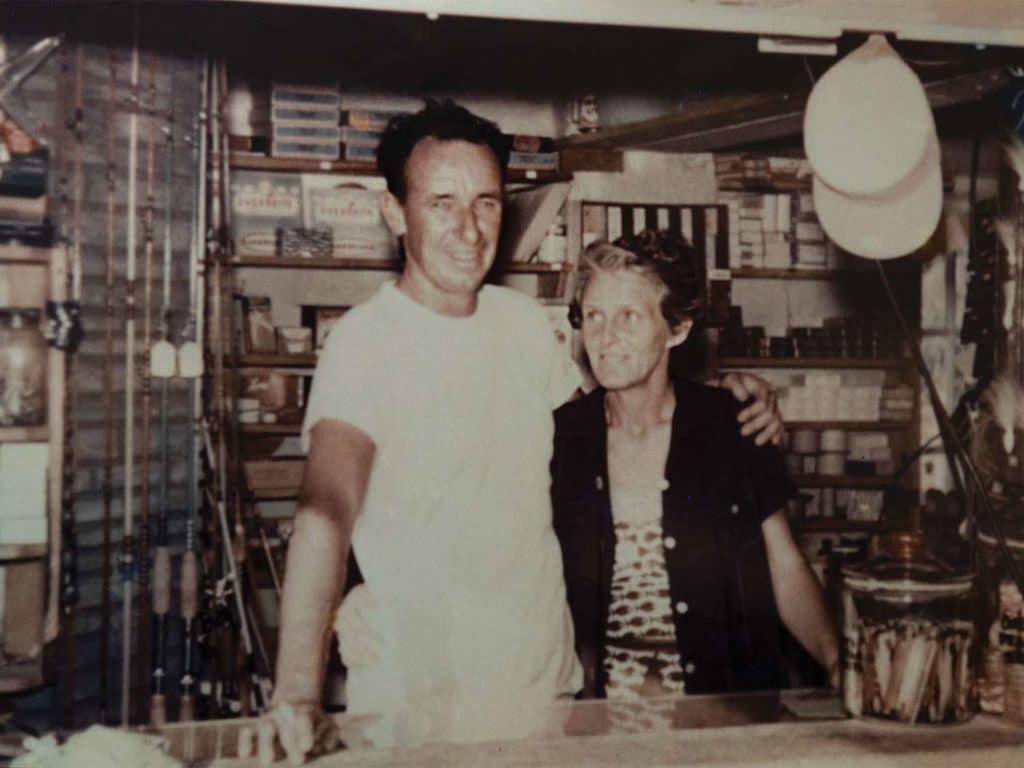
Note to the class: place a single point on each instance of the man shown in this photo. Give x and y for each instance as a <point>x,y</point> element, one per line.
<point>429,432</point>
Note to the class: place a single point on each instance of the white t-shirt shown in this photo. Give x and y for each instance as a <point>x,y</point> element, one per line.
<point>455,539</point>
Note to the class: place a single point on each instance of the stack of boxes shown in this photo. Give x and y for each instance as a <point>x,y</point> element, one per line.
<point>304,122</point>
<point>811,248</point>
<point>759,229</point>
<point>360,133</point>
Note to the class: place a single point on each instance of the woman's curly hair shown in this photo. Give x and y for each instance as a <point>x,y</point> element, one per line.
<point>663,256</point>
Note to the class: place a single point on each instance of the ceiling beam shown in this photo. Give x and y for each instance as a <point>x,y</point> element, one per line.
<point>739,120</point>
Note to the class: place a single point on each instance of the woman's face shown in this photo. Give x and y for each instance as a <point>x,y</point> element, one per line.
<point>626,337</point>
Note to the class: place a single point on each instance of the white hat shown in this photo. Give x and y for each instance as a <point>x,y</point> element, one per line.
<point>889,224</point>
<point>867,121</point>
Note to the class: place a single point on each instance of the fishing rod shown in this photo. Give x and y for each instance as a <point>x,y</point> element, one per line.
<point>69,540</point>
<point>190,367</point>
<point>108,396</point>
<point>142,602</point>
<point>128,540</point>
<point>163,365</point>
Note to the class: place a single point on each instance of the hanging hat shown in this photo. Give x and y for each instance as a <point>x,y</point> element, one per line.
<point>893,223</point>
<point>867,121</point>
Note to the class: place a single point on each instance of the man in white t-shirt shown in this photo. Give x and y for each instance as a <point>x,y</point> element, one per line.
<point>429,435</point>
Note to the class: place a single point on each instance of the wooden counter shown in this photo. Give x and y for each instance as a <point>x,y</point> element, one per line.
<point>792,729</point>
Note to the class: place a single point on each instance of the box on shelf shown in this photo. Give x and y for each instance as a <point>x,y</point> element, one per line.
<point>280,394</point>
<point>311,97</point>
<point>320,320</point>
<point>261,203</point>
<point>294,341</point>
<point>258,324</point>
<point>274,474</point>
<point>352,213</point>
<point>305,150</point>
<point>369,119</point>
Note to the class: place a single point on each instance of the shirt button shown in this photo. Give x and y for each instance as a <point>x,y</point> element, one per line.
<point>735,509</point>
<point>682,607</point>
<point>690,668</point>
<point>670,542</point>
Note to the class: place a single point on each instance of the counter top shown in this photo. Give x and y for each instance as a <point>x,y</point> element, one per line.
<point>789,729</point>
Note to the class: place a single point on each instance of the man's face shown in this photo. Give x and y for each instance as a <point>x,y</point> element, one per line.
<point>450,222</point>
<point>626,336</point>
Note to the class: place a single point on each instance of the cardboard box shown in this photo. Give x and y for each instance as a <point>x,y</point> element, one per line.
<point>352,213</point>
<point>260,204</point>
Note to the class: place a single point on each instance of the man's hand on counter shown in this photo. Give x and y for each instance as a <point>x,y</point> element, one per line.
<point>299,729</point>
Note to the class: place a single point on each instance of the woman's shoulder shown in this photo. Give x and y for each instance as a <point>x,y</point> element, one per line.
<point>707,406</point>
<point>582,415</point>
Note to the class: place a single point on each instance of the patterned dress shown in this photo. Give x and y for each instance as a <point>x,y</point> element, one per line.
<point>641,656</point>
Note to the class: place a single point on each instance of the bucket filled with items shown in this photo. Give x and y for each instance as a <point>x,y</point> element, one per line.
<point>908,636</point>
<point>1000,567</point>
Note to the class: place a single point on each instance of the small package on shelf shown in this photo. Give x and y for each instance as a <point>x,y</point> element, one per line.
<point>280,395</point>
<point>261,204</point>
<point>22,368</point>
<point>302,243</point>
<point>258,328</point>
<point>351,212</point>
<point>294,341</point>
<point>320,320</point>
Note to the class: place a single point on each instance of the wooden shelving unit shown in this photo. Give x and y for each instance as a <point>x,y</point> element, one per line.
<point>22,551</point>
<point>273,360</point>
<point>763,273</point>
<point>270,429</point>
<point>832,525</point>
<point>842,481</point>
<point>831,363</point>
<point>38,434</point>
<point>34,275</point>
<point>25,254</point>
<point>392,265</point>
<point>245,161</point>
<point>852,426</point>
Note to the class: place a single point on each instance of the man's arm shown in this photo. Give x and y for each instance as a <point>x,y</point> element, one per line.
<point>798,595</point>
<point>761,419</point>
<point>333,490</point>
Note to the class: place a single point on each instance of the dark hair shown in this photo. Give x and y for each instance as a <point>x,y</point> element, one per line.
<point>444,120</point>
<point>663,256</point>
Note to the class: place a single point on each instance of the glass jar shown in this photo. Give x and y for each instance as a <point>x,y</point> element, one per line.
<point>908,636</point>
<point>22,368</point>
<point>1002,612</point>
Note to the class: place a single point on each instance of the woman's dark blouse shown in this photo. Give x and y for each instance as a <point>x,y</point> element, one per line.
<point>721,487</point>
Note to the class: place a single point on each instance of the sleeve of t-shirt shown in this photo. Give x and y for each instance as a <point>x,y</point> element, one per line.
<point>561,372</point>
<point>347,383</point>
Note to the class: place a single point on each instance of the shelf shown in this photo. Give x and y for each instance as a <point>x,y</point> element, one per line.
<point>22,551</point>
<point>24,254</point>
<point>759,273</point>
<point>244,161</point>
<point>851,426</point>
<point>274,494</point>
<point>274,360</point>
<point>392,265</point>
<point>746,118</point>
<point>21,675</point>
<point>811,362</point>
<point>38,434</point>
<point>866,482</point>
<point>832,525</point>
<point>270,429</point>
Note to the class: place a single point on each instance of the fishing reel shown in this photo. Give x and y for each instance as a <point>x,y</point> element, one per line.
<point>63,327</point>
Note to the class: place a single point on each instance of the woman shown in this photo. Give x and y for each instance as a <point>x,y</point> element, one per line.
<point>679,561</point>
